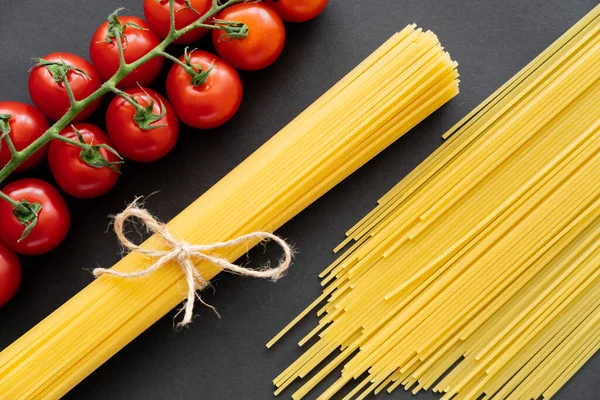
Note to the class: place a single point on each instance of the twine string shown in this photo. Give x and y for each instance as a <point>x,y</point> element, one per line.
<point>184,254</point>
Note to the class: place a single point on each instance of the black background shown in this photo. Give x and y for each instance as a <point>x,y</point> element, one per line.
<point>226,359</point>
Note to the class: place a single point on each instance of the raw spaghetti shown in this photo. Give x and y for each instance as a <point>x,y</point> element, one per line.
<point>478,275</point>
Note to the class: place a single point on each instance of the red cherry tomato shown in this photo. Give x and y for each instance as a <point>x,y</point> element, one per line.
<point>210,104</point>
<point>53,219</point>
<point>265,40</point>
<point>133,142</point>
<point>158,17</point>
<point>136,43</point>
<point>50,96</point>
<point>298,10</point>
<point>70,170</point>
<point>26,125</point>
<point>10,274</point>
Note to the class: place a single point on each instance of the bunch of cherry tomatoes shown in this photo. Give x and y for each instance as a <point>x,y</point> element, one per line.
<point>203,91</point>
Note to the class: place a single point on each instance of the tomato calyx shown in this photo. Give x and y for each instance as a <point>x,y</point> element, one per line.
<point>188,6</point>
<point>145,117</point>
<point>199,76</point>
<point>5,130</point>
<point>233,30</point>
<point>116,29</point>
<point>59,69</point>
<point>27,214</point>
<point>4,127</point>
<point>91,155</point>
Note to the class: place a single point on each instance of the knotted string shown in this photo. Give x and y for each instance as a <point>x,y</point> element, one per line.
<point>184,254</point>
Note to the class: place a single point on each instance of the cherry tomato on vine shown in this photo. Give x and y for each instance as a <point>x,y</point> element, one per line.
<point>265,40</point>
<point>298,10</point>
<point>158,17</point>
<point>25,124</point>
<point>10,274</point>
<point>125,125</point>
<point>137,40</point>
<point>213,99</point>
<point>47,88</point>
<point>50,226</point>
<point>84,172</point>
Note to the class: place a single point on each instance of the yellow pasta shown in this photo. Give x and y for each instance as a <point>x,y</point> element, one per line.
<point>478,275</point>
<point>400,84</point>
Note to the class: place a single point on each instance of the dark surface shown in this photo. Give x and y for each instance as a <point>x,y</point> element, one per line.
<point>226,359</point>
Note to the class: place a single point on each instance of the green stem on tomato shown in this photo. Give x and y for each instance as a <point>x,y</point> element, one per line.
<point>138,107</point>
<point>82,145</point>
<point>12,201</point>
<point>174,59</point>
<point>69,89</point>
<point>233,29</point>
<point>27,213</point>
<point>11,147</point>
<point>144,117</point>
<point>90,152</point>
<point>5,134</point>
<point>196,73</point>
<point>108,86</point>
<point>122,62</point>
<point>190,7</point>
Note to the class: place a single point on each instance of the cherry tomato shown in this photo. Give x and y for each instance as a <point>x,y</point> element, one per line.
<point>133,142</point>
<point>298,10</point>
<point>50,96</point>
<point>71,171</point>
<point>26,125</point>
<point>210,104</point>
<point>10,274</point>
<point>265,40</point>
<point>136,44</point>
<point>158,17</point>
<point>53,219</point>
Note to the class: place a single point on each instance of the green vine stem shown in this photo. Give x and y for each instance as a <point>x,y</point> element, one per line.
<point>9,199</point>
<point>18,157</point>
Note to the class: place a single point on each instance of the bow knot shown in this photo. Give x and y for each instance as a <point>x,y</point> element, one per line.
<point>184,254</point>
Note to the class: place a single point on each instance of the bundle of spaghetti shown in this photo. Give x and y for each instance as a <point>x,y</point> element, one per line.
<point>478,275</point>
<point>400,84</point>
